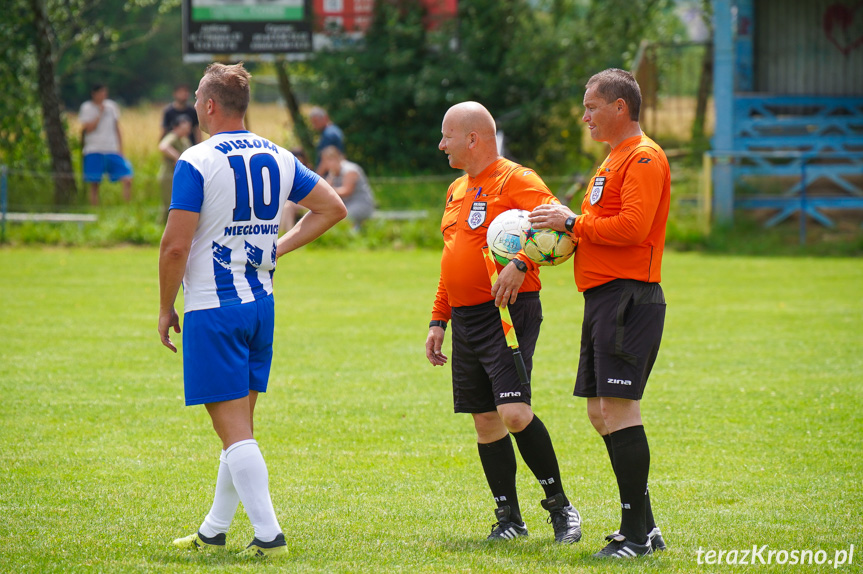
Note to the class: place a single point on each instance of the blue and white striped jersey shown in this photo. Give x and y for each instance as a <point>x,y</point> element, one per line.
<point>238,183</point>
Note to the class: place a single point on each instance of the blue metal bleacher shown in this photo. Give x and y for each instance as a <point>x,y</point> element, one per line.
<point>817,141</point>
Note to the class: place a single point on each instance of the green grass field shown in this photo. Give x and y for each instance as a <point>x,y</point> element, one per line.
<point>753,413</point>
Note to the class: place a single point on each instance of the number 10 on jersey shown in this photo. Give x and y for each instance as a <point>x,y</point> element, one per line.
<point>257,200</point>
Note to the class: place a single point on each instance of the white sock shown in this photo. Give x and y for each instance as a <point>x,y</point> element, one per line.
<point>225,502</point>
<point>251,480</point>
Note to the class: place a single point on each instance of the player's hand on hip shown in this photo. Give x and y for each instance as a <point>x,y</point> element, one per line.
<point>166,321</point>
<point>505,289</point>
<point>434,343</point>
<point>550,216</point>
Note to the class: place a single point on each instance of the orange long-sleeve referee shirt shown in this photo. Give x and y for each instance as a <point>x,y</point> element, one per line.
<point>622,230</point>
<point>471,205</point>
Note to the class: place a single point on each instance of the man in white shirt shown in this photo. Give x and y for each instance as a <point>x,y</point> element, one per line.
<point>221,244</point>
<point>103,145</point>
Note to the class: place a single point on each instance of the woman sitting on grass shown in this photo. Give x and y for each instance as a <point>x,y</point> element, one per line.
<point>350,182</point>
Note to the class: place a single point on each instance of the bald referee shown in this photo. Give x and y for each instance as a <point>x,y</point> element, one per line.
<point>485,381</point>
<point>621,235</point>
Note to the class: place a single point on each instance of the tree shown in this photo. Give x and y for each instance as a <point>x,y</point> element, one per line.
<point>385,95</point>
<point>53,39</point>
<point>21,145</point>
<point>133,46</point>
<point>514,59</point>
<point>525,60</point>
<point>705,80</point>
<point>286,88</point>
<point>390,96</point>
<point>61,158</point>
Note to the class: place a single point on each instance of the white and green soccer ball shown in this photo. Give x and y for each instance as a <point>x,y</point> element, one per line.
<point>505,233</point>
<point>547,246</point>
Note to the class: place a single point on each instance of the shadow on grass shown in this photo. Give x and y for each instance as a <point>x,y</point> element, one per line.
<point>227,560</point>
<point>537,555</point>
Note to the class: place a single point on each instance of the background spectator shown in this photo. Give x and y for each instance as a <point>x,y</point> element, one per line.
<point>180,108</point>
<point>350,182</point>
<point>172,146</point>
<point>331,134</point>
<point>103,145</point>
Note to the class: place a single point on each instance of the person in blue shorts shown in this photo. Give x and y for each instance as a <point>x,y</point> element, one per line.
<point>221,244</point>
<point>103,144</point>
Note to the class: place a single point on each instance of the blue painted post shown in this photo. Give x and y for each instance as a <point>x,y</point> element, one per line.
<point>744,52</point>
<point>803,207</point>
<point>723,97</point>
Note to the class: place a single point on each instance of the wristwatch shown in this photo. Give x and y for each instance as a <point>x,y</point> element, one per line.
<point>569,224</point>
<point>520,265</point>
<point>438,323</point>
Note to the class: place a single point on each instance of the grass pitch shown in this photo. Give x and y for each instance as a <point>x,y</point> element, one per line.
<point>753,413</point>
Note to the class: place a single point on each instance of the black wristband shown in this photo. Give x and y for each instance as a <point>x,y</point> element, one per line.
<point>569,224</point>
<point>441,324</point>
<point>520,265</point>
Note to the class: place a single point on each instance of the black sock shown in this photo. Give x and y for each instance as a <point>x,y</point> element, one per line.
<point>536,449</point>
<point>631,466</point>
<point>650,522</point>
<point>607,439</point>
<point>498,463</point>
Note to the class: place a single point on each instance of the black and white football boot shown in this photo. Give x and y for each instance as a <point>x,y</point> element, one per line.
<point>564,519</point>
<point>504,528</point>
<point>619,547</point>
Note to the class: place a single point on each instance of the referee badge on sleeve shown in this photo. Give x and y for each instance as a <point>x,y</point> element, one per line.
<point>477,214</point>
<point>596,191</point>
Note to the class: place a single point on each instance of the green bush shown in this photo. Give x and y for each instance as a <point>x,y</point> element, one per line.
<point>134,225</point>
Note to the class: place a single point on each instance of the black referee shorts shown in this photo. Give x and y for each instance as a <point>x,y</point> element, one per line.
<point>483,369</point>
<point>620,336</point>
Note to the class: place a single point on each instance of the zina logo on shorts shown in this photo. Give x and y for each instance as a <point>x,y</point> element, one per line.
<point>620,382</point>
<point>510,394</point>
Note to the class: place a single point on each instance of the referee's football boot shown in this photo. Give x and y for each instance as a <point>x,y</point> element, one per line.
<point>655,536</point>
<point>564,519</point>
<point>656,541</point>
<point>504,528</point>
<point>256,549</point>
<point>619,547</point>
<point>198,541</point>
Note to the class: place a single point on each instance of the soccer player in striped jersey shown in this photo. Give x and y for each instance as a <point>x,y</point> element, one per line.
<point>221,243</point>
